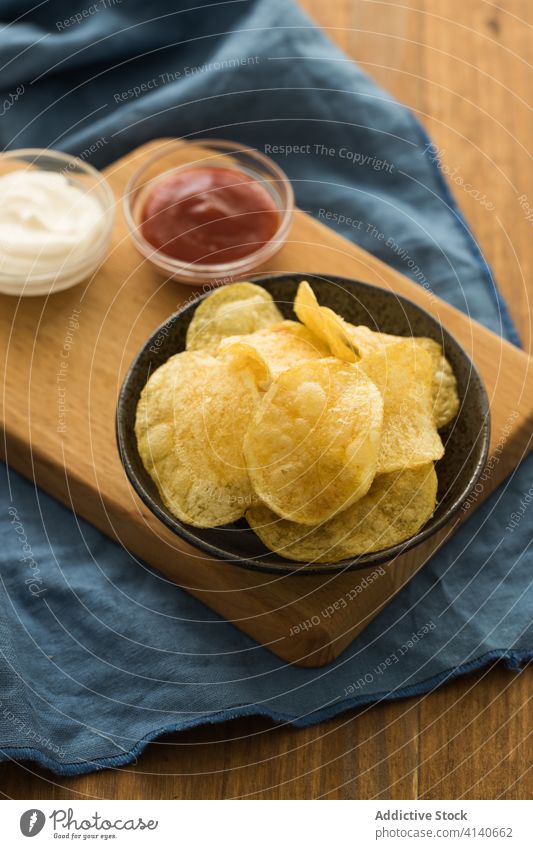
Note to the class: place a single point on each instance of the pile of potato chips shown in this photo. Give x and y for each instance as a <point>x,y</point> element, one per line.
<point>321,433</point>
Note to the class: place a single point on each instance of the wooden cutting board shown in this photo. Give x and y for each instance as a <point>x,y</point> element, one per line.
<point>65,357</point>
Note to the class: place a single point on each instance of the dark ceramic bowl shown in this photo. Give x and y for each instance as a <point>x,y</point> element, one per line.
<point>466,439</point>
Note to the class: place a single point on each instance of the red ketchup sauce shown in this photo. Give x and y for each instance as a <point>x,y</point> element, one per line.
<point>209,215</point>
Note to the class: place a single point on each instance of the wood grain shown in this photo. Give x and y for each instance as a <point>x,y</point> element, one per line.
<point>463,68</point>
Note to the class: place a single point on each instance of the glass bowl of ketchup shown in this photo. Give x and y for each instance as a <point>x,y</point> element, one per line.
<point>208,210</point>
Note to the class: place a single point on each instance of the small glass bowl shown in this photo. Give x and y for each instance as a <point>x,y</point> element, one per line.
<point>84,177</point>
<point>178,155</point>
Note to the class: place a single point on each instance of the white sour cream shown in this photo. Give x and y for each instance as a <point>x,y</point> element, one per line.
<point>47,224</point>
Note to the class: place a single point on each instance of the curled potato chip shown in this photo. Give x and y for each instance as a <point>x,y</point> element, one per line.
<point>230,311</point>
<point>444,388</point>
<point>282,345</point>
<point>393,510</point>
<point>244,355</point>
<point>403,373</point>
<point>313,443</point>
<point>445,395</point>
<point>324,323</point>
<point>190,424</point>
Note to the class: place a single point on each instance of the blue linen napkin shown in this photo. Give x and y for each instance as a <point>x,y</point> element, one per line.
<point>100,655</point>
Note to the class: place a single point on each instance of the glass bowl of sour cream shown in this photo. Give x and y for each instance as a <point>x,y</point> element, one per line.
<point>56,219</point>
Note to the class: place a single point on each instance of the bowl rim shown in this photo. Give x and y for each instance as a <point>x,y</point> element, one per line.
<point>98,251</point>
<point>363,562</point>
<point>191,273</point>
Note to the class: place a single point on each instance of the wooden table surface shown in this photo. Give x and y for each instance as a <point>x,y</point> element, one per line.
<point>464,67</point>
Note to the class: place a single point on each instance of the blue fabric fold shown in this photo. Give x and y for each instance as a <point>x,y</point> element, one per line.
<point>100,654</point>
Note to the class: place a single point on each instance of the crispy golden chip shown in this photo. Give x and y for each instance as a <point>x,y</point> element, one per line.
<point>325,324</point>
<point>403,373</point>
<point>244,355</point>
<point>191,420</point>
<point>313,443</point>
<point>394,509</point>
<point>282,345</point>
<point>323,433</point>
<point>230,311</point>
<point>445,396</point>
<point>368,340</point>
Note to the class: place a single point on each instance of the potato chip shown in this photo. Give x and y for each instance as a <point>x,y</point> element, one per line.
<point>190,425</point>
<point>325,324</point>
<point>403,373</point>
<point>313,443</point>
<point>445,396</point>
<point>230,311</point>
<point>282,345</point>
<point>368,340</point>
<point>394,509</point>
